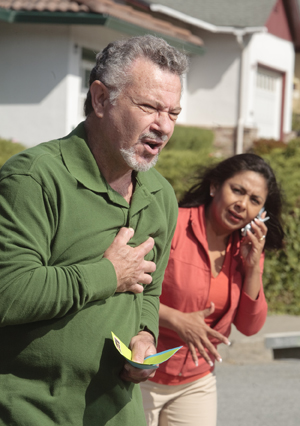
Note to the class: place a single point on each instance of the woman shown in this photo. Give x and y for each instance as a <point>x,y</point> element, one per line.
<point>213,280</point>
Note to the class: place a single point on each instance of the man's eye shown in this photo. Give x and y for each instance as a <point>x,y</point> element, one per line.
<point>147,108</point>
<point>173,116</point>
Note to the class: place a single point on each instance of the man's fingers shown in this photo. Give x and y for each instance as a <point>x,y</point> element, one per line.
<point>149,266</point>
<point>123,236</point>
<point>145,247</point>
<point>136,375</point>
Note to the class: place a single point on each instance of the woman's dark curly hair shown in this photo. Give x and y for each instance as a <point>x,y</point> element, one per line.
<point>199,193</point>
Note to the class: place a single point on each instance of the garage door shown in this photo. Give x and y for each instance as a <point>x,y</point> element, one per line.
<point>268,102</point>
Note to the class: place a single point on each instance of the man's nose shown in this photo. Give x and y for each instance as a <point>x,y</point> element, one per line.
<point>163,123</point>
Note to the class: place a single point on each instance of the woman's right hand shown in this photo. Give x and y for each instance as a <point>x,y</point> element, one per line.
<point>193,330</point>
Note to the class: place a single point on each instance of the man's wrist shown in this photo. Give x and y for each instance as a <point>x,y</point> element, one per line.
<point>146,330</point>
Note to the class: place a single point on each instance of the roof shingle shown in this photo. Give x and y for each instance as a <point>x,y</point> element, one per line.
<point>110,7</point>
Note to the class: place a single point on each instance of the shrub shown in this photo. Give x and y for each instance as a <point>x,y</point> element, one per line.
<point>8,149</point>
<point>188,149</point>
<point>286,165</point>
<point>265,146</point>
<point>282,270</point>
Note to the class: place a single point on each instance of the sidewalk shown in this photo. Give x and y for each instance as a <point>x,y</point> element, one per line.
<point>251,349</point>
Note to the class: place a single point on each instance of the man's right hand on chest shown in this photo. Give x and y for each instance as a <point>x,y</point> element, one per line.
<point>130,265</point>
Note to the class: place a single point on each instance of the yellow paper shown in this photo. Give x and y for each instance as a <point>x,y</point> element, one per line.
<point>150,362</point>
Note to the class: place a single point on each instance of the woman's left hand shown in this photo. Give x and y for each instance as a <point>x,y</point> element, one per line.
<point>253,244</point>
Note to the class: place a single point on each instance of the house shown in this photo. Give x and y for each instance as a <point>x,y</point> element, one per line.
<point>47,50</point>
<point>242,86</point>
<point>294,18</point>
<point>240,81</point>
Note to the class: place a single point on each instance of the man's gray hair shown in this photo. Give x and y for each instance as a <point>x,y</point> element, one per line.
<point>113,63</point>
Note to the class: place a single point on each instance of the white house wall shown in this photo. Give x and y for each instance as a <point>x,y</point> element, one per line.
<point>275,53</point>
<point>40,81</point>
<point>213,82</point>
<point>34,61</point>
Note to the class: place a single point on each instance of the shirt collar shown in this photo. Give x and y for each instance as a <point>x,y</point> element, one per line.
<point>81,163</point>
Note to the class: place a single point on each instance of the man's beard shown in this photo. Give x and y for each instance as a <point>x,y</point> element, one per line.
<point>129,155</point>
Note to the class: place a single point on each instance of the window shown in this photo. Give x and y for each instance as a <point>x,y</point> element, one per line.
<point>88,59</point>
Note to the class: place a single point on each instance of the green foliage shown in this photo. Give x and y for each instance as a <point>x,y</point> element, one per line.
<point>8,149</point>
<point>282,270</point>
<point>188,149</point>
<point>285,161</point>
<point>296,122</point>
<point>191,139</point>
<point>265,146</point>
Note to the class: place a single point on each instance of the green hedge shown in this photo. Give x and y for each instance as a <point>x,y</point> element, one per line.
<point>8,149</point>
<point>188,149</point>
<point>282,268</point>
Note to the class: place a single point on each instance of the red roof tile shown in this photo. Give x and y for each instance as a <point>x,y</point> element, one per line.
<point>109,7</point>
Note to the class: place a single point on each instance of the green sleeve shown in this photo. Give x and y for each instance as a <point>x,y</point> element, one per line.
<point>31,289</point>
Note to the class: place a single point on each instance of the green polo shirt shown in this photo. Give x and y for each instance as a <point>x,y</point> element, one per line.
<point>58,304</point>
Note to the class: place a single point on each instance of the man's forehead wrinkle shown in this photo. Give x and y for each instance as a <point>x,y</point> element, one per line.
<point>141,99</point>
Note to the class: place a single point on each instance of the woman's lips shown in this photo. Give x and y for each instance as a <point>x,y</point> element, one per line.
<point>235,217</point>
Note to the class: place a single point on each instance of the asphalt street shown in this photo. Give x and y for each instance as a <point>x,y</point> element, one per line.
<point>259,394</point>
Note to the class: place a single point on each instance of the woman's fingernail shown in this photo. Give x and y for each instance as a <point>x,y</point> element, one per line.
<point>229,343</point>
<point>211,363</point>
<point>196,363</point>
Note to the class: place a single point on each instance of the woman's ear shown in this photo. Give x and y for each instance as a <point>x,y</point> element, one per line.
<point>99,96</point>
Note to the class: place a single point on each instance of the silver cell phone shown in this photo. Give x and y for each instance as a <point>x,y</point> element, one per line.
<point>248,226</point>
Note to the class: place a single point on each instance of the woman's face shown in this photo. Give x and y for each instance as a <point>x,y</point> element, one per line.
<point>237,201</point>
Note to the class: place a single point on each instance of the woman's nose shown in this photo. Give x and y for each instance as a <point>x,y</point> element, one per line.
<point>242,202</point>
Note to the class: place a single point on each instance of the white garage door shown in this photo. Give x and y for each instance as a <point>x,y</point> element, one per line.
<point>268,102</point>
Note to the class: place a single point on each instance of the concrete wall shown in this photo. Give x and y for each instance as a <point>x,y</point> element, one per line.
<point>33,83</point>
<point>278,54</point>
<point>213,82</point>
<point>40,78</point>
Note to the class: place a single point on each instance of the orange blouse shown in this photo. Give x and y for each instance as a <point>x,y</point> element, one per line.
<point>189,287</point>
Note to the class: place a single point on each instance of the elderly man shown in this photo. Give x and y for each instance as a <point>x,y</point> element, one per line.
<point>86,227</point>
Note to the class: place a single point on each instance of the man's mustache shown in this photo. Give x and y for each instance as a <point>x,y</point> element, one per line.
<point>154,136</point>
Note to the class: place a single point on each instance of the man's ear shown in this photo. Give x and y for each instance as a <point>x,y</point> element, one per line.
<point>99,96</point>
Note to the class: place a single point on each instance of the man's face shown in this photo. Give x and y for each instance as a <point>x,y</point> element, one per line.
<point>142,119</point>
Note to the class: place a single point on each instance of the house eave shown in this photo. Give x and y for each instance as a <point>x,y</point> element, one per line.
<point>239,32</point>
<point>80,18</point>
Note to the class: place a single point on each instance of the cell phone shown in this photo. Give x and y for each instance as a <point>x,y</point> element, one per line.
<point>248,226</point>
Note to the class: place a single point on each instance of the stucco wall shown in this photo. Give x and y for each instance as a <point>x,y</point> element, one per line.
<point>278,54</point>
<point>33,86</point>
<point>213,82</point>
<point>40,78</point>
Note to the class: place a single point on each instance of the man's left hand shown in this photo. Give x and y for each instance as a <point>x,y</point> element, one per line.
<point>141,345</point>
